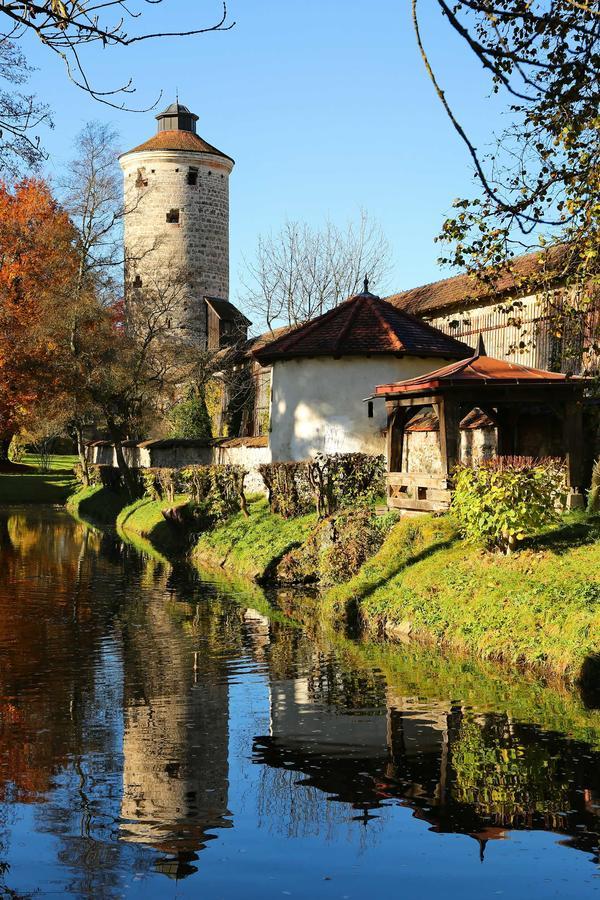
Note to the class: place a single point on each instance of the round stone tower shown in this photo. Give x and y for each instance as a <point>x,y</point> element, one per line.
<point>176,229</point>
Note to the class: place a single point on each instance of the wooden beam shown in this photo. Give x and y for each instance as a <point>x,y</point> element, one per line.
<point>573,442</point>
<point>418,505</point>
<point>418,479</point>
<point>449,416</point>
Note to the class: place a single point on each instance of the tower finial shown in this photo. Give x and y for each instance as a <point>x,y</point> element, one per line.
<point>366,284</point>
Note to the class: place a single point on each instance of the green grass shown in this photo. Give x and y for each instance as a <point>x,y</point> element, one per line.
<point>145,519</point>
<point>251,546</point>
<point>39,487</point>
<point>539,607</point>
<point>96,504</point>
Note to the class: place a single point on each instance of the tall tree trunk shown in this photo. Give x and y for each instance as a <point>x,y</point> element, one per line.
<point>85,472</point>
<point>128,479</point>
<point>4,445</point>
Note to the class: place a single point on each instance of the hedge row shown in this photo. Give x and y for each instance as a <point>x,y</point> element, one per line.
<point>217,490</point>
<point>327,482</point>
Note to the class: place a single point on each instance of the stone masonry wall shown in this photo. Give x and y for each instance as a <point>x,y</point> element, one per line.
<point>196,248</point>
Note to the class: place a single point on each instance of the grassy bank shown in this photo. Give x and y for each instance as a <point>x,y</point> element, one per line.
<point>539,607</point>
<point>96,504</point>
<point>145,519</point>
<point>32,486</point>
<point>252,545</point>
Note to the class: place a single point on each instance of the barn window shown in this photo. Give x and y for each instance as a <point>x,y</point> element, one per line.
<point>192,176</point>
<point>173,217</point>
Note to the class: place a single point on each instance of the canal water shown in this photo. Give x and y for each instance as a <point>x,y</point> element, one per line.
<point>163,735</point>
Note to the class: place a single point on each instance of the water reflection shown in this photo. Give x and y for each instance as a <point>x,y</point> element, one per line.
<point>153,727</point>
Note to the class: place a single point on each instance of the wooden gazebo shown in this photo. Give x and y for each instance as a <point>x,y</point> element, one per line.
<point>505,392</point>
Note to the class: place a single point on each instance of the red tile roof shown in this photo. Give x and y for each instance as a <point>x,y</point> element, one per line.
<point>179,140</point>
<point>478,369</point>
<point>364,325</point>
<point>466,289</point>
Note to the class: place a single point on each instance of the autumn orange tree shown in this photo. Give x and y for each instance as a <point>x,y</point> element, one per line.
<point>38,267</point>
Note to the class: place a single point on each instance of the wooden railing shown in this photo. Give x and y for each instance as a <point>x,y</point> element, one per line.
<point>418,491</point>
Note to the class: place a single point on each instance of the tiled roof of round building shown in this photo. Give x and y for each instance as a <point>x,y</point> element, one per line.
<point>179,140</point>
<point>478,369</point>
<point>364,325</point>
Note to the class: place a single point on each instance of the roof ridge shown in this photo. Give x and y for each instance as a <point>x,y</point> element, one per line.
<point>308,327</point>
<point>349,322</point>
<point>386,325</point>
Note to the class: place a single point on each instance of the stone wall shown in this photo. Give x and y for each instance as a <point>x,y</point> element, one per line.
<point>250,453</point>
<point>422,449</point>
<point>247,452</point>
<point>195,249</point>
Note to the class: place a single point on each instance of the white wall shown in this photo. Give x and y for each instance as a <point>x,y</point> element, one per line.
<point>316,404</point>
<point>248,457</point>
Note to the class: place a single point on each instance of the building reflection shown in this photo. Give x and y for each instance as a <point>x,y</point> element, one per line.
<point>358,743</point>
<point>175,732</point>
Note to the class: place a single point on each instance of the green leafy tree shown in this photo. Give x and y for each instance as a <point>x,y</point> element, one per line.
<point>539,185</point>
<point>190,418</point>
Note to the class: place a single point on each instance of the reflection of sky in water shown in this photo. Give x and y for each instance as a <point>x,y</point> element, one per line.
<point>157,739</point>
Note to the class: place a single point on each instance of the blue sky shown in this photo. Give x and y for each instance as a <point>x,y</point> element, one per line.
<point>325,106</point>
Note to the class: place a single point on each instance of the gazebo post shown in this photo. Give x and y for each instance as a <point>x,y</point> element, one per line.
<point>449,418</point>
<point>395,437</point>
<point>573,442</point>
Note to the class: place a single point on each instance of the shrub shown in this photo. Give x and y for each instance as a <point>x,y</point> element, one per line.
<point>337,548</point>
<point>161,483</point>
<point>507,499</point>
<point>195,480</point>
<point>79,475</point>
<point>218,489</point>
<point>226,494</point>
<point>190,418</point>
<point>345,480</point>
<point>289,488</point>
<point>329,482</point>
<point>111,478</point>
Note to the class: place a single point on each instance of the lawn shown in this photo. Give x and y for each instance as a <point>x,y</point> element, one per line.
<point>33,486</point>
<point>540,606</point>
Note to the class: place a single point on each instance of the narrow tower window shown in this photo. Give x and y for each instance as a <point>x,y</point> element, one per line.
<point>192,176</point>
<point>173,217</point>
<point>142,178</point>
<point>137,281</point>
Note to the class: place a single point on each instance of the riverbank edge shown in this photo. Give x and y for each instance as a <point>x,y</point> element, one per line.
<point>539,608</point>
